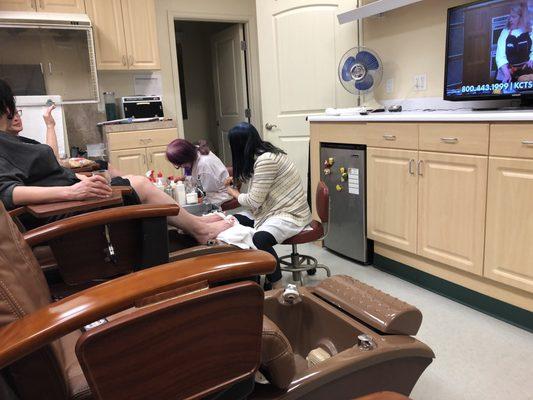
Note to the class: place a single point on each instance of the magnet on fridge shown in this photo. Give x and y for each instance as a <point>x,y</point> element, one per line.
<point>331,161</point>
<point>344,177</point>
<point>342,170</point>
<point>339,188</point>
<point>327,171</point>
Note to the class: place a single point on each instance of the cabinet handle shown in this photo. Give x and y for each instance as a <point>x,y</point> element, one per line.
<point>449,139</point>
<point>144,141</point>
<point>124,62</point>
<point>131,60</point>
<point>34,4</point>
<point>389,137</point>
<point>144,160</point>
<point>41,4</point>
<point>419,167</point>
<point>411,166</point>
<point>151,159</point>
<point>527,142</point>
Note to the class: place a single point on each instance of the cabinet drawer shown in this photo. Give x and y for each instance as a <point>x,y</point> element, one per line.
<point>455,138</point>
<point>397,136</point>
<point>135,139</point>
<point>511,140</point>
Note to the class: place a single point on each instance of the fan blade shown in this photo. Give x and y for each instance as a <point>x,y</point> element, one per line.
<point>365,83</point>
<point>367,59</point>
<point>346,68</point>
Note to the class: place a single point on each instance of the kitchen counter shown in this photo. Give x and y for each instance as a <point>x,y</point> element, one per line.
<point>139,126</point>
<point>430,116</point>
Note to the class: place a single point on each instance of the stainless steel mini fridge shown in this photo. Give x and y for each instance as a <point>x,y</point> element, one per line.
<point>343,170</point>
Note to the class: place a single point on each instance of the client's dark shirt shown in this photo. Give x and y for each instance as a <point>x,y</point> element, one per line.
<point>26,162</point>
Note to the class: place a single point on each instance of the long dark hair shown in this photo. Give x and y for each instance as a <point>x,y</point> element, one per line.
<point>7,100</point>
<point>246,144</point>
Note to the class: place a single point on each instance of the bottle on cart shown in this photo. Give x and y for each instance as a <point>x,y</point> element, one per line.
<point>160,182</point>
<point>180,194</point>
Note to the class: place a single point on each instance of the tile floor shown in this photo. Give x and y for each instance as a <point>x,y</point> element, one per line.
<point>477,356</point>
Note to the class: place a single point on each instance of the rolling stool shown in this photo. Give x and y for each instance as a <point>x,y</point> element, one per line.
<point>298,263</point>
<point>233,203</point>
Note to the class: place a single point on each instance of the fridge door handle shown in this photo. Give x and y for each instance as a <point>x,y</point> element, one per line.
<point>419,167</point>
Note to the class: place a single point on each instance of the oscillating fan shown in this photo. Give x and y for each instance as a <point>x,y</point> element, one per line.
<point>360,72</point>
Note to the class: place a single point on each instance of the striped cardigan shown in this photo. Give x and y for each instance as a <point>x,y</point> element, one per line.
<point>276,190</point>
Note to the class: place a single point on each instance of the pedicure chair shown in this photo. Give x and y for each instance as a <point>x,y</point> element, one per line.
<point>190,329</point>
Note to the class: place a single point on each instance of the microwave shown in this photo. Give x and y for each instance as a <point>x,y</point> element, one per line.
<point>141,107</point>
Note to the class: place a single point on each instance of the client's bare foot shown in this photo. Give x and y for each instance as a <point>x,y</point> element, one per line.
<point>211,217</point>
<point>207,231</point>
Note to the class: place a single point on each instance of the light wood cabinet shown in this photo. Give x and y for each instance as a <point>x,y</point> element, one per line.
<point>131,161</point>
<point>451,209</point>
<point>61,6</point>
<point>135,152</point>
<point>392,197</point>
<point>157,160</point>
<point>18,5</point>
<point>509,249</point>
<point>125,34</point>
<point>141,35</point>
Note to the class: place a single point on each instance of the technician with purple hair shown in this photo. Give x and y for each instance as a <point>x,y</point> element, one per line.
<point>203,164</point>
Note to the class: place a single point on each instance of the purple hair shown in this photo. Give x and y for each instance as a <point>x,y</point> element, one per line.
<point>181,151</point>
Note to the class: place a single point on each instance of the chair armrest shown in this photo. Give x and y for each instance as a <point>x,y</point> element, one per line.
<point>201,250</point>
<point>62,227</point>
<point>58,319</point>
<point>17,212</point>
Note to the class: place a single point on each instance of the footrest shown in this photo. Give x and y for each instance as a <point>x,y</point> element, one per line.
<point>369,305</point>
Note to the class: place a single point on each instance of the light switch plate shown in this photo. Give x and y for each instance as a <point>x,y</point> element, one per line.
<point>420,82</point>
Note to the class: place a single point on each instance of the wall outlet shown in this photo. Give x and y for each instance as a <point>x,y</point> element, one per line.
<point>389,85</point>
<point>420,82</point>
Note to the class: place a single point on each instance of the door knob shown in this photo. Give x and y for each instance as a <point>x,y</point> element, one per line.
<point>270,126</point>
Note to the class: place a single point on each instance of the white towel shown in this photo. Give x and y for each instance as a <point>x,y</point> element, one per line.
<point>238,235</point>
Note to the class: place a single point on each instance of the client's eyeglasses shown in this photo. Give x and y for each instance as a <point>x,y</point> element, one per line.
<point>19,112</point>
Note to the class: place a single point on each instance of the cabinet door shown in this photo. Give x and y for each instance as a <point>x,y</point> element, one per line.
<point>64,6</point>
<point>18,5</point>
<point>106,16</point>
<point>141,35</point>
<point>157,160</point>
<point>392,197</point>
<point>509,251</point>
<point>451,209</point>
<point>131,161</point>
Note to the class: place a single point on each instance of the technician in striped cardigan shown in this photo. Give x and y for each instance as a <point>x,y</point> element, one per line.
<point>276,203</point>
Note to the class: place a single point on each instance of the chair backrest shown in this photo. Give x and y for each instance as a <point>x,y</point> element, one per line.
<point>194,344</point>
<point>23,291</point>
<point>322,202</point>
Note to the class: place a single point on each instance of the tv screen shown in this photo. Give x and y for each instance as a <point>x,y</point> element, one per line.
<point>489,51</point>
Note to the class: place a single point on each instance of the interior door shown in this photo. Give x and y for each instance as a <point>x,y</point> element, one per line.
<point>141,36</point>
<point>106,17</point>
<point>66,6</point>
<point>18,5</point>
<point>300,45</point>
<point>229,80</point>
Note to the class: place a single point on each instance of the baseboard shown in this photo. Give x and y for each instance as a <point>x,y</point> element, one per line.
<point>498,309</point>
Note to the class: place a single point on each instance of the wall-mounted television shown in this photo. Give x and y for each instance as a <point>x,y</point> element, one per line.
<point>489,50</point>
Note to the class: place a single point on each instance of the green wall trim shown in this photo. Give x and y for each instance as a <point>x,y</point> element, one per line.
<point>506,312</point>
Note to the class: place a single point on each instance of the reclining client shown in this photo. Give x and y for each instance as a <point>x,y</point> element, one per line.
<point>31,174</point>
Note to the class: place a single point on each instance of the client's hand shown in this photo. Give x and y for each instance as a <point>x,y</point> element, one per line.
<point>48,118</point>
<point>228,181</point>
<point>94,187</point>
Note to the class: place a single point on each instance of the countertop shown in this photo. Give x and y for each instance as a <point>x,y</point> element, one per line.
<point>139,126</point>
<point>430,116</point>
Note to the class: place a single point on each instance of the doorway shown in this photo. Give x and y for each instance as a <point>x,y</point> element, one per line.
<point>212,73</point>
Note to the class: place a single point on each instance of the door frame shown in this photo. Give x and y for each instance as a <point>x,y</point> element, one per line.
<point>251,55</point>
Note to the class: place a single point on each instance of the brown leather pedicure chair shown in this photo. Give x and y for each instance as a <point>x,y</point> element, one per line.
<point>189,330</point>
